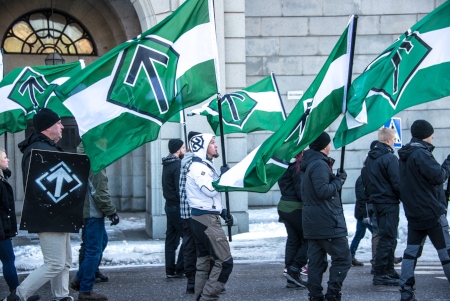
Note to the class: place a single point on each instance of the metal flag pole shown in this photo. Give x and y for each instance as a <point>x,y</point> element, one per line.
<point>278,92</point>
<point>184,128</point>
<point>224,160</point>
<point>349,81</point>
<point>1,78</point>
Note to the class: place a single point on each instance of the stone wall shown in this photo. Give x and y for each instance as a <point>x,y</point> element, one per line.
<point>293,38</point>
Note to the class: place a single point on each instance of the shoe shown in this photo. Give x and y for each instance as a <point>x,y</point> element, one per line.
<point>190,288</point>
<point>294,275</point>
<point>174,275</point>
<point>223,290</point>
<point>291,284</point>
<point>397,260</point>
<point>75,284</point>
<point>99,277</point>
<point>91,296</point>
<point>314,298</point>
<point>284,271</point>
<point>34,298</point>
<point>304,270</point>
<point>393,274</point>
<point>333,296</point>
<point>12,296</point>
<point>356,262</point>
<point>407,295</point>
<point>385,280</point>
<point>68,298</point>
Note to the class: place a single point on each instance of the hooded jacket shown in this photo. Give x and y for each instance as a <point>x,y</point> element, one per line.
<point>383,177</point>
<point>290,184</point>
<point>171,179</point>
<point>421,184</point>
<point>34,141</point>
<point>361,199</point>
<point>8,222</point>
<point>200,193</point>
<point>323,216</point>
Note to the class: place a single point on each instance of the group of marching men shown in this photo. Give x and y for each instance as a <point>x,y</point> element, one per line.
<point>311,209</point>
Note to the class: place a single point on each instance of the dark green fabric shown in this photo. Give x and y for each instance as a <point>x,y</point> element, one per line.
<point>289,206</point>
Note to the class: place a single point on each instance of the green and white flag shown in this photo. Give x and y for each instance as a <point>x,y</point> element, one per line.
<point>121,100</point>
<point>321,104</point>
<point>24,90</point>
<point>413,70</point>
<point>1,64</point>
<point>255,108</point>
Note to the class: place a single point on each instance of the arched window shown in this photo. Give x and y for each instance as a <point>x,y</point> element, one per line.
<point>46,31</point>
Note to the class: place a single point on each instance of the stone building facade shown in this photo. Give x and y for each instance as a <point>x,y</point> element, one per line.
<point>292,38</point>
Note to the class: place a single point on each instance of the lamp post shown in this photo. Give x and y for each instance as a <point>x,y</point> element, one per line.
<point>54,59</point>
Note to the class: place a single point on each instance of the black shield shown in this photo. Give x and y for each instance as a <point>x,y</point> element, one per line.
<point>55,192</point>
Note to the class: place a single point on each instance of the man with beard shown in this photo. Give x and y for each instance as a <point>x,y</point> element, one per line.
<point>170,184</point>
<point>323,220</point>
<point>206,210</point>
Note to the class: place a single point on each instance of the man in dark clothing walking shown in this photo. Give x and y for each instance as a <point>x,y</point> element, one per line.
<point>383,186</point>
<point>423,197</point>
<point>323,220</point>
<point>170,184</point>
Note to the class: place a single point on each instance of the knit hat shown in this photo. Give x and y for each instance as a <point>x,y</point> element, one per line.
<point>192,134</point>
<point>44,119</point>
<point>421,129</point>
<point>175,145</point>
<point>321,142</point>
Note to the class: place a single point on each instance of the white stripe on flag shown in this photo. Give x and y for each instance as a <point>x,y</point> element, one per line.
<point>235,176</point>
<point>266,101</point>
<point>194,47</point>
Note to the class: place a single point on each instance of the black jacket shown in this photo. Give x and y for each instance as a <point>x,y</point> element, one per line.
<point>383,177</point>
<point>323,216</point>
<point>171,179</point>
<point>421,184</point>
<point>34,141</point>
<point>361,199</point>
<point>8,222</point>
<point>290,184</point>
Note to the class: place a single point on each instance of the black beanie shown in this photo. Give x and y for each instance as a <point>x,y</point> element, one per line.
<point>175,145</point>
<point>321,142</point>
<point>44,119</point>
<point>421,129</point>
<point>192,134</point>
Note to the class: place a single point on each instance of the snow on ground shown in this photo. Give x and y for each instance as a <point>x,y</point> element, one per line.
<point>265,242</point>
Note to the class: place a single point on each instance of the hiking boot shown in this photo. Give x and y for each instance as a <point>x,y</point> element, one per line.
<point>75,284</point>
<point>291,284</point>
<point>304,270</point>
<point>385,280</point>
<point>99,277</point>
<point>294,275</point>
<point>407,295</point>
<point>397,260</point>
<point>91,296</point>
<point>393,274</point>
<point>356,262</point>
<point>333,296</point>
<point>190,288</point>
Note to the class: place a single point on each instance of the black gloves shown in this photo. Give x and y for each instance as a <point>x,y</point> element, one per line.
<point>228,220</point>
<point>224,169</point>
<point>341,175</point>
<point>114,218</point>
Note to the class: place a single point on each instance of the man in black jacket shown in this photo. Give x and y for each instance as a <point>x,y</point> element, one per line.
<point>423,197</point>
<point>323,220</point>
<point>171,192</point>
<point>383,186</point>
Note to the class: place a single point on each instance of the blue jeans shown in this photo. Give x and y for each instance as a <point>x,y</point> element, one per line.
<point>95,241</point>
<point>359,234</point>
<point>7,258</point>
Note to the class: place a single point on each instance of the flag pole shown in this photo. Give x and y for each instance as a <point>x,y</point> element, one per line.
<point>2,69</point>
<point>224,160</point>
<point>184,128</point>
<point>278,92</point>
<point>349,79</point>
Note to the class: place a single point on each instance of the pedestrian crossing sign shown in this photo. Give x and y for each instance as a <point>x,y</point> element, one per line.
<point>396,124</point>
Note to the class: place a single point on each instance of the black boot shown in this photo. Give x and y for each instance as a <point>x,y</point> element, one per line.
<point>294,275</point>
<point>99,277</point>
<point>385,280</point>
<point>407,295</point>
<point>333,296</point>
<point>190,288</point>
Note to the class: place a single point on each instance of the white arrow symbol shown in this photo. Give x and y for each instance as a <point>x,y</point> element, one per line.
<point>60,175</point>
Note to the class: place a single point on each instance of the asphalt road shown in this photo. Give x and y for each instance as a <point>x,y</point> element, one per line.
<point>253,281</point>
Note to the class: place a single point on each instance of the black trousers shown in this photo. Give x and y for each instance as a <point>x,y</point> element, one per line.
<point>341,261</point>
<point>296,247</point>
<point>189,250</point>
<point>174,233</point>
<point>388,218</point>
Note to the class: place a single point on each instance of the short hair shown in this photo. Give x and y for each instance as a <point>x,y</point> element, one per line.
<point>386,133</point>
<point>2,150</point>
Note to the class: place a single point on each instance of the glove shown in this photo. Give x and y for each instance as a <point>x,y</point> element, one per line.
<point>229,220</point>
<point>114,218</point>
<point>341,175</point>
<point>224,169</point>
